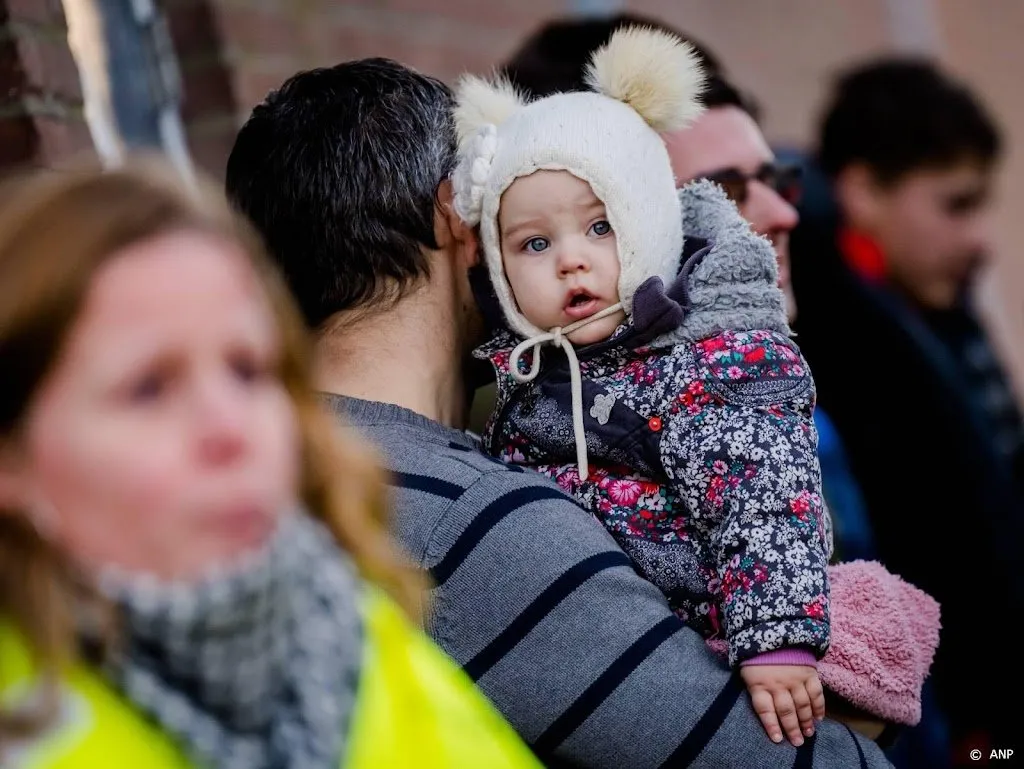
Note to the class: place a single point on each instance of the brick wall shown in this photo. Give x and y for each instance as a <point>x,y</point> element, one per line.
<point>232,52</point>
<point>41,120</point>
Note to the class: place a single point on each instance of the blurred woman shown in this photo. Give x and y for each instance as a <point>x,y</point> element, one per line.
<point>172,591</point>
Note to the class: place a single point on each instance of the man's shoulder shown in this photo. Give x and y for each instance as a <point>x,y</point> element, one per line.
<point>445,486</point>
<point>411,453</point>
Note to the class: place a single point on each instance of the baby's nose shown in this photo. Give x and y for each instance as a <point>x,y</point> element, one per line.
<point>572,260</point>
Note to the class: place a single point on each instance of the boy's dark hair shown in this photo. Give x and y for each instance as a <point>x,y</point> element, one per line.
<point>899,115</point>
<point>338,170</point>
<point>554,58</point>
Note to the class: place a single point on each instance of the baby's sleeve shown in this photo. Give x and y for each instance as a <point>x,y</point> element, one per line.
<point>741,450</point>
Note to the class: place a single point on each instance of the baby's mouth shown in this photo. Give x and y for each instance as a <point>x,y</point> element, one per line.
<point>580,305</point>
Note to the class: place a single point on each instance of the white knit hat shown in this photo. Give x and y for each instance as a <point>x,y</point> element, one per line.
<point>644,81</point>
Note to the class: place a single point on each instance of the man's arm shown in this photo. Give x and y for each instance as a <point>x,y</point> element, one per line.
<point>582,655</point>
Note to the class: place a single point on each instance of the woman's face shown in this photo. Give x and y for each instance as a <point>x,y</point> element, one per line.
<point>163,440</point>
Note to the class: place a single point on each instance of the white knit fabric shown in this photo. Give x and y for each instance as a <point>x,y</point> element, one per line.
<point>600,140</point>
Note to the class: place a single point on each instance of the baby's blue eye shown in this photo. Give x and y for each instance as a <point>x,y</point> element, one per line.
<point>600,228</point>
<point>536,245</point>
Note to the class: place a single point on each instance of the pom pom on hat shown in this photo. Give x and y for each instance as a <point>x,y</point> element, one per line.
<point>480,102</point>
<point>655,73</point>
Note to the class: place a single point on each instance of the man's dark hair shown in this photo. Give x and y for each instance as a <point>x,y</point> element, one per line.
<point>900,115</point>
<point>339,169</point>
<point>555,57</point>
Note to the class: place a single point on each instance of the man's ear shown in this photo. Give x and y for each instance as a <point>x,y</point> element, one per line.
<point>453,231</point>
<point>861,196</point>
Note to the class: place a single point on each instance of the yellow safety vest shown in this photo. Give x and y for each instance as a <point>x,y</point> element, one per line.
<point>414,708</point>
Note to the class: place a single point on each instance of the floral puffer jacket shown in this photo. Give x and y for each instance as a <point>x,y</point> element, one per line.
<point>698,421</point>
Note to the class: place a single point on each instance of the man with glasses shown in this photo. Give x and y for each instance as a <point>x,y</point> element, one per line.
<point>726,145</point>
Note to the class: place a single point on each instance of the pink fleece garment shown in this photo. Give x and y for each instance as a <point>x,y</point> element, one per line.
<point>884,635</point>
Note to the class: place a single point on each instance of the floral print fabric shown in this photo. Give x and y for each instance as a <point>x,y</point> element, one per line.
<point>704,469</point>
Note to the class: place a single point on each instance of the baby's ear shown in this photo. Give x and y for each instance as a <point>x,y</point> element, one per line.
<point>654,72</point>
<point>480,102</point>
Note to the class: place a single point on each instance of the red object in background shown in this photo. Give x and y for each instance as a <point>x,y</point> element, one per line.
<point>863,255</point>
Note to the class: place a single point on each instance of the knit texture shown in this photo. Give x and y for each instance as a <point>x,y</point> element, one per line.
<point>607,137</point>
<point>606,144</point>
<point>783,657</point>
<point>251,668</point>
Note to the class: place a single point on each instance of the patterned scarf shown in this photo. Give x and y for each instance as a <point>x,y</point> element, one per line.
<point>252,668</point>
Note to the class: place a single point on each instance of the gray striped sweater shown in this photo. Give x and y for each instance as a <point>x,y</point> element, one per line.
<point>541,608</point>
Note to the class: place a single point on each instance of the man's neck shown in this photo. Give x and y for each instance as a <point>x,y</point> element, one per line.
<point>409,355</point>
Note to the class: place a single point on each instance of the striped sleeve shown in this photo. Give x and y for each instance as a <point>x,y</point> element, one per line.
<point>583,656</point>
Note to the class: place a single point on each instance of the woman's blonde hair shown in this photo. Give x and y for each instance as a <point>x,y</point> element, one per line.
<point>56,230</point>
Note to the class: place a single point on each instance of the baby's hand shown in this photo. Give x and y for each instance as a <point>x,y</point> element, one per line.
<point>790,694</point>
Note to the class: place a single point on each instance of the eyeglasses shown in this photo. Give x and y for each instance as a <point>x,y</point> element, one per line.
<point>785,180</point>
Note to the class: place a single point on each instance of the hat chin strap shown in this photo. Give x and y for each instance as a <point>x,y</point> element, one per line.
<point>559,337</point>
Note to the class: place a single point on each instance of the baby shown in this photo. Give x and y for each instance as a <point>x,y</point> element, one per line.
<point>686,391</point>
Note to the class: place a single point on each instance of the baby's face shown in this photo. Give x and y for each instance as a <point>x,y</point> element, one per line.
<point>560,254</point>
